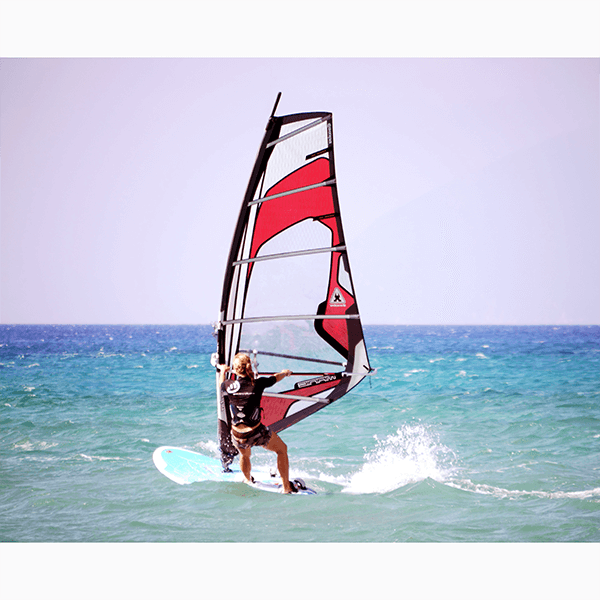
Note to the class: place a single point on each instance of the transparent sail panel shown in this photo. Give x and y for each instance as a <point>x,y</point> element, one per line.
<point>272,292</point>
<point>306,235</point>
<point>291,154</point>
<point>292,339</point>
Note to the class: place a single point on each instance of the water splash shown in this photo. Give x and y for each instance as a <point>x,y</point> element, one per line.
<point>412,454</point>
<point>209,446</point>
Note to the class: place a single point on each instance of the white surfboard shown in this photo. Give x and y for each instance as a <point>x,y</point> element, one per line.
<point>185,466</point>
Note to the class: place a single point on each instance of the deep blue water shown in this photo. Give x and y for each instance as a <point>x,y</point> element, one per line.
<point>464,434</point>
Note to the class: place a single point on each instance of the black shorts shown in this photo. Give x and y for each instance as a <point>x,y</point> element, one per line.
<point>259,436</point>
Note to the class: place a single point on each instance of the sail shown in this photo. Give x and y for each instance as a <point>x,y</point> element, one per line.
<point>288,296</point>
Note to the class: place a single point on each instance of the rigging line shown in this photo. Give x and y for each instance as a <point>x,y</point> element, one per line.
<point>288,318</point>
<point>294,191</point>
<point>297,131</point>
<point>289,254</point>
<point>305,358</point>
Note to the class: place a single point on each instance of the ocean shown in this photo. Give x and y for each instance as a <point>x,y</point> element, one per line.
<point>465,435</point>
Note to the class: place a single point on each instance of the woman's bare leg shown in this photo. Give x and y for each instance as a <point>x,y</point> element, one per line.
<point>245,464</point>
<point>277,445</point>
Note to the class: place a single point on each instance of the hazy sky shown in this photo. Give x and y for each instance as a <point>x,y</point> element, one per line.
<point>470,188</point>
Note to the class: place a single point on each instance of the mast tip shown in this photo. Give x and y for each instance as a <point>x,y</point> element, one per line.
<point>275,105</point>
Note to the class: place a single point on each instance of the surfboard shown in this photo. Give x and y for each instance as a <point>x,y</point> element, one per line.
<point>185,466</point>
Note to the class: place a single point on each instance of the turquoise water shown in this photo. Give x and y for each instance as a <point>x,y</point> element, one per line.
<point>464,434</point>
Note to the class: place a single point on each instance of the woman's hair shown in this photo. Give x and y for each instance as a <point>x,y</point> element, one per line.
<point>245,363</point>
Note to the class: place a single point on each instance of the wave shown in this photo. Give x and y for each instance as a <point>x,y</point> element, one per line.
<point>479,488</point>
<point>102,458</point>
<point>413,371</point>
<point>29,446</point>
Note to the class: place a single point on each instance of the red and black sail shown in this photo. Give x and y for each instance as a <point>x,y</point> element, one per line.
<point>288,297</point>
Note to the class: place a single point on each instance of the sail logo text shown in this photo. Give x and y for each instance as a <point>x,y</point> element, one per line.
<point>322,379</point>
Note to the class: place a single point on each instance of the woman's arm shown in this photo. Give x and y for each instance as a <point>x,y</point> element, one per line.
<point>285,373</point>
<point>222,372</point>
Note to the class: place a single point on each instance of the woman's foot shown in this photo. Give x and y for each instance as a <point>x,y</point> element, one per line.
<point>290,488</point>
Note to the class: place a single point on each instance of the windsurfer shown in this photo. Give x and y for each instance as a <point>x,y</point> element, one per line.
<point>244,394</point>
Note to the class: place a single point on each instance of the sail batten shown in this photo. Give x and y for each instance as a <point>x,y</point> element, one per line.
<point>290,192</point>
<point>297,131</point>
<point>288,292</point>
<point>289,254</point>
<point>295,397</point>
<point>289,318</point>
<point>304,358</point>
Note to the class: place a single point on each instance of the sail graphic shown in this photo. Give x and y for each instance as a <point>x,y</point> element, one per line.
<point>288,297</point>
